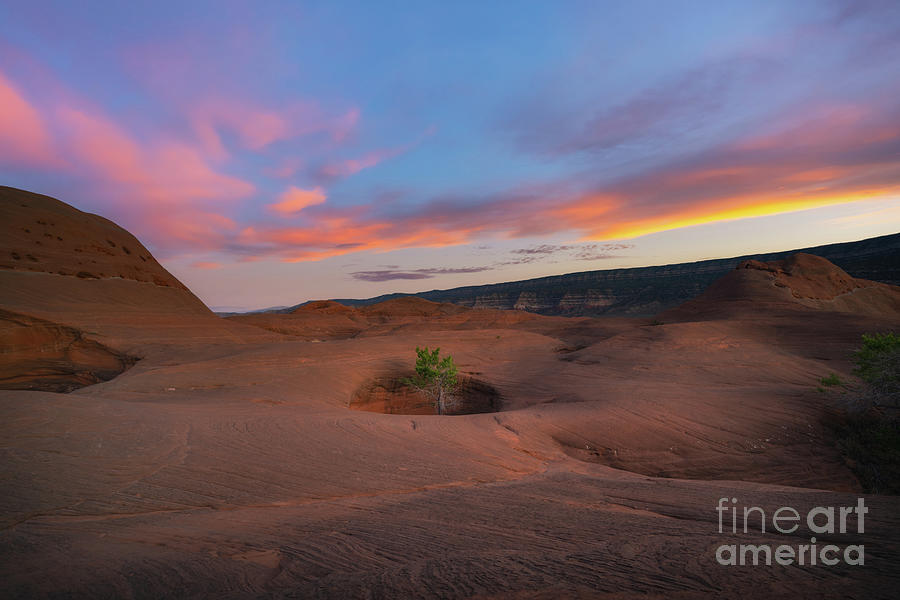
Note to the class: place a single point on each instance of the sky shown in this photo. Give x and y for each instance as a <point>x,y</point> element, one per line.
<point>269,153</point>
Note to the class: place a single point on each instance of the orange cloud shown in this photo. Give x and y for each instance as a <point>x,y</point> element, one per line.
<point>590,208</point>
<point>177,193</point>
<point>183,225</point>
<point>808,165</point>
<point>814,175</point>
<point>200,264</point>
<point>295,200</point>
<point>761,190</point>
<point>342,236</point>
<point>727,209</point>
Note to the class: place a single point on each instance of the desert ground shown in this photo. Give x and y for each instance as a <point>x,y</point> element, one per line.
<point>151,449</point>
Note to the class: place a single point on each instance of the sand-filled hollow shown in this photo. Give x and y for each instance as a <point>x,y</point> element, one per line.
<point>388,394</point>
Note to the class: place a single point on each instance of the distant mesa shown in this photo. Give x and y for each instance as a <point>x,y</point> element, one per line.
<point>690,291</point>
<point>646,291</point>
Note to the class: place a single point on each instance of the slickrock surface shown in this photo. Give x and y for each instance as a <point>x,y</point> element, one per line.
<point>227,462</point>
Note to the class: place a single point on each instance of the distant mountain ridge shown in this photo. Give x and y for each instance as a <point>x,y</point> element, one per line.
<point>646,291</point>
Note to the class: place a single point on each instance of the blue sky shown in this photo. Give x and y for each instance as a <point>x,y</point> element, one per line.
<point>348,149</point>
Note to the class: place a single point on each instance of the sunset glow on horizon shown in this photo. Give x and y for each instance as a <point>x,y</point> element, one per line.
<point>270,154</point>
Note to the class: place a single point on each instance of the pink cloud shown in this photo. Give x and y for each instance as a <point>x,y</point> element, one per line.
<point>101,145</point>
<point>183,171</point>
<point>345,168</point>
<point>24,139</point>
<point>163,171</point>
<point>194,74</point>
<point>165,189</point>
<point>296,199</point>
<point>183,226</point>
<point>348,167</point>
<point>344,125</point>
<point>174,189</point>
<point>287,167</point>
<point>830,157</point>
<point>256,127</point>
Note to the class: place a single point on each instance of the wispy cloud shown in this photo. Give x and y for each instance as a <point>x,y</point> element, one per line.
<point>208,265</point>
<point>337,169</point>
<point>560,252</point>
<point>24,138</point>
<point>543,249</point>
<point>682,107</point>
<point>256,127</point>
<point>517,256</point>
<point>393,274</point>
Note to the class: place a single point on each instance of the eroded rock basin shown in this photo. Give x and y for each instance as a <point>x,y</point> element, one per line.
<point>45,356</point>
<point>389,395</point>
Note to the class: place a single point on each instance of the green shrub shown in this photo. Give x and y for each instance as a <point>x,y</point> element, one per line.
<point>435,377</point>
<point>831,380</point>
<point>878,364</point>
<point>869,435</point>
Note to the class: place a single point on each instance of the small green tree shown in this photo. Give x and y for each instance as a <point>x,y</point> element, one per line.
<point>435,377</point>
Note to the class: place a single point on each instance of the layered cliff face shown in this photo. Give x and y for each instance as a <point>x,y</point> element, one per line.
<point>646,291</point>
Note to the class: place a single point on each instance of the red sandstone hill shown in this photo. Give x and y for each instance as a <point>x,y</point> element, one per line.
<point>79,295</point>
<point>799,282</point>
<point>327,319</point>
<point>323,307</point>
<point>411,307</point>
<point>43,235</point>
